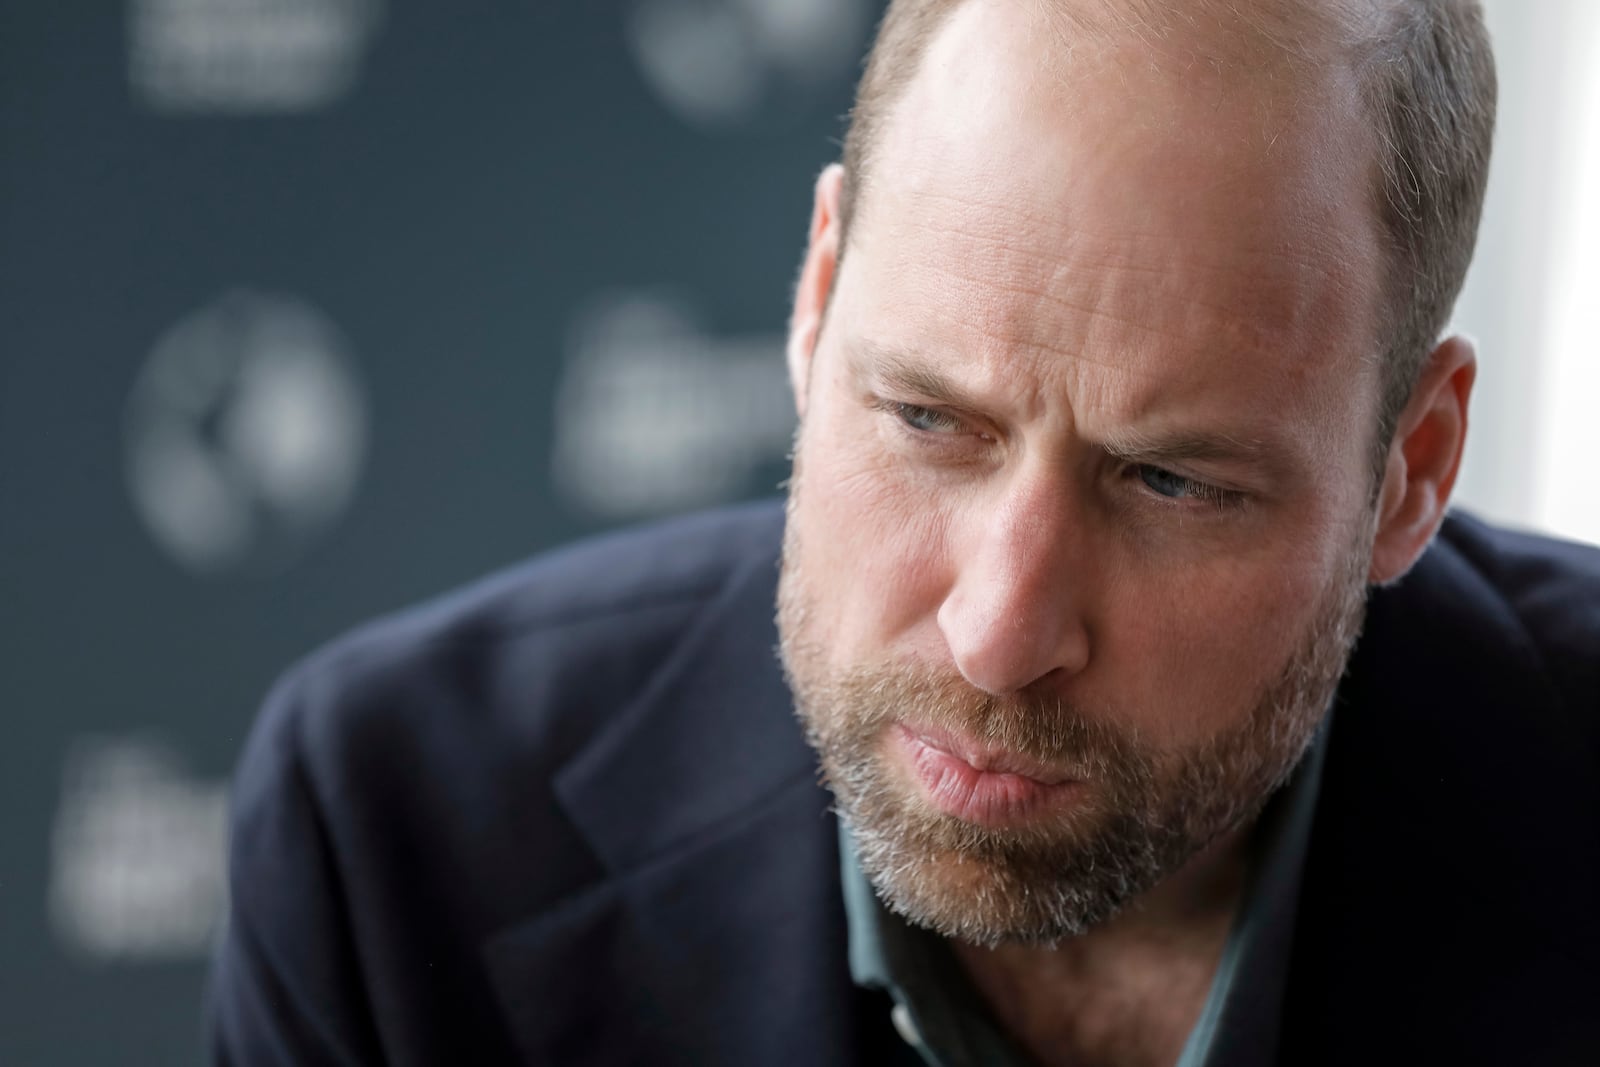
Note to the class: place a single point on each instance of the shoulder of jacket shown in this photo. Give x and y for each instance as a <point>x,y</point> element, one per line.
<point>1552,587</point>
<point>609,576</point>
<point>532,657</point>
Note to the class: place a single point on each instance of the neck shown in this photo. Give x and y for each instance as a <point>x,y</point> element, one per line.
<point>1129,990</point>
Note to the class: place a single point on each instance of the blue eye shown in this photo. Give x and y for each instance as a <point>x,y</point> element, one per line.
<point>1168,484</point>
<point>926,419</point>
<point>1172,486</point>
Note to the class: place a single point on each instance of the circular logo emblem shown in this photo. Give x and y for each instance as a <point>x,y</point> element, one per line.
<point>246,431</point>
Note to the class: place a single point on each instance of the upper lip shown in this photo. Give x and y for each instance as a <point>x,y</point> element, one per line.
<point>981,757</point>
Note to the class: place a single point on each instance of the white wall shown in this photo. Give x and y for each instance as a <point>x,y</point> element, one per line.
<point>1534,290</point>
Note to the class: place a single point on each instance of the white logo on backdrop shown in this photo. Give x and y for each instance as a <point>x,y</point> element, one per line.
<point>653,415</point>
<point>138,854</point>
<point>246,432</point>
<point>715,62</point>
<point>244,57</point>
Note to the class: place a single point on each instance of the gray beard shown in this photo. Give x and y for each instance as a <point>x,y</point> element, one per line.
<point>1147,814</point>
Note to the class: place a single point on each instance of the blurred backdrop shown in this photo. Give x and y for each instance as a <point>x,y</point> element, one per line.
<point>311,308</point>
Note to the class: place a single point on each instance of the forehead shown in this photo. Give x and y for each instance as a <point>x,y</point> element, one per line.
<point>1176,218</point>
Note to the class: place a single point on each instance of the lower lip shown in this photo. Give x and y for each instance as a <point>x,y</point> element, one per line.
<point>991,799</point>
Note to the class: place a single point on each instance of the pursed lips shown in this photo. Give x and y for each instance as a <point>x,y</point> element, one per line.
<point>985,759</point>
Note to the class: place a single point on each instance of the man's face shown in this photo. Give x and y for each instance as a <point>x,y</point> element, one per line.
<point>1081,515</point>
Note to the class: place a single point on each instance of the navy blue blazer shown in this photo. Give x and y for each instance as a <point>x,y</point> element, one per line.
<point>565,816</point>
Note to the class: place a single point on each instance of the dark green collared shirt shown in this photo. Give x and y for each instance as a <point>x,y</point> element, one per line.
<point>939,1013</point>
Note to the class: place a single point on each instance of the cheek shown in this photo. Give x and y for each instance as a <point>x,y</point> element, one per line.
<point>875,546</point>
<point>1183,656</point>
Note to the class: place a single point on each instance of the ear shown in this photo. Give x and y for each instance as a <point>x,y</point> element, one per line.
<point>1423,459</point>
<point>816,281</point>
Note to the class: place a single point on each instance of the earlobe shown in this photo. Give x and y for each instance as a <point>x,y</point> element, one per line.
<point>1424,458</point>
<point>815,284</point>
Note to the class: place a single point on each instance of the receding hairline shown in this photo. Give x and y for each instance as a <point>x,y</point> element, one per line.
<point>1273,39</point>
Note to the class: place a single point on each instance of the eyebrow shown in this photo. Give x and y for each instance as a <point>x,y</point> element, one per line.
<point>1160,449</point>
<point>899,369</point>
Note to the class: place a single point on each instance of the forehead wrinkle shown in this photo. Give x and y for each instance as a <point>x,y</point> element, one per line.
<point>1246,320</point>
<point>1274,291</point>
<point>1037,331</point>
<point>1007,293</point>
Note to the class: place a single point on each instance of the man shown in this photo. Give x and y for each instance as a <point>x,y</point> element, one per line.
<point>1116,354</point>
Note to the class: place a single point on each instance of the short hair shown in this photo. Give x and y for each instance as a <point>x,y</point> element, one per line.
<point>1427,84</point>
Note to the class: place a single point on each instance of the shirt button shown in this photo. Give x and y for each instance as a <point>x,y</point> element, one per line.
<point>904,1026</point>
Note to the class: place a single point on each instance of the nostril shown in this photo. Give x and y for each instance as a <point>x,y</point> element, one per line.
<point>1050,679</point>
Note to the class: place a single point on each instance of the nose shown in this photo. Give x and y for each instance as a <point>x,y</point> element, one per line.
<point>1015,614</point>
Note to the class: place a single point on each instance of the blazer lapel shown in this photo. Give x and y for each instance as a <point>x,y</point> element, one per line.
<point>719,937</point>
